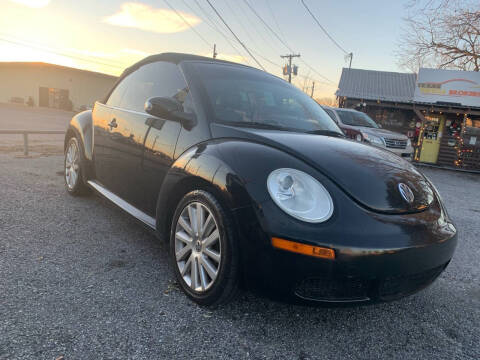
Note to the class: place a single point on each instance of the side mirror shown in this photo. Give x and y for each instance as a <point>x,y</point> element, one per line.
<point>170,109</point>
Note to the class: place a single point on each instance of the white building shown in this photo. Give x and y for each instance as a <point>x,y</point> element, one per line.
<point>49,85</point>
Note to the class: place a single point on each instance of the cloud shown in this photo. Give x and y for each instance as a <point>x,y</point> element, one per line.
<point>144,17</point>
<point>32,3</point>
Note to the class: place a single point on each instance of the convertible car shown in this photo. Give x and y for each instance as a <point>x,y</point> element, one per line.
<point>253,185</point>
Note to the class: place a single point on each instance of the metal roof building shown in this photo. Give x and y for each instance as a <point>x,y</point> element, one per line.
<point>438,109</point>
<point>377,85</point>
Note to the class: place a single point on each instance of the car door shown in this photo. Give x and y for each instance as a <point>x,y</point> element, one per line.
<point>103,128</point>
<point>123,132</point>
<point>163,133</point>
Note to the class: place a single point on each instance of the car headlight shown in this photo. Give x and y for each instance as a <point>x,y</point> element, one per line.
<point>409,142</point>
<point>300,195</point>
<point>375,140</point>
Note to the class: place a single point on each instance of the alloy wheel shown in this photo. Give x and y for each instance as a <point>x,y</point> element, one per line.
<point>197,247</point>
<point>71,165</point>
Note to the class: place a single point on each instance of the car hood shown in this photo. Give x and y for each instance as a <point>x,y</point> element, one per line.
<point>369,175</point>
<point>383,133</point>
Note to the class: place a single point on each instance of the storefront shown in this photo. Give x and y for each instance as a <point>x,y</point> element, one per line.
<point>439,111</point>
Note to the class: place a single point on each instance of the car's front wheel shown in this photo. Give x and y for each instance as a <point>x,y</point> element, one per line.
<point>203,249</point>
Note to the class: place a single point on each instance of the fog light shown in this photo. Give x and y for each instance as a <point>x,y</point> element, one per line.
<point>292,246</point>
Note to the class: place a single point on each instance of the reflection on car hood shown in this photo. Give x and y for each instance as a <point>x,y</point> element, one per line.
<point>371,176</point>
<point>383,133</point>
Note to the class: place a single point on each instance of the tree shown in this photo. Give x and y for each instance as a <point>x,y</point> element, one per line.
<point>441,34</point>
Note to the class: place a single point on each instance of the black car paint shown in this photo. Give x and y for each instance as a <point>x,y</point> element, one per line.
<point>374,234</point>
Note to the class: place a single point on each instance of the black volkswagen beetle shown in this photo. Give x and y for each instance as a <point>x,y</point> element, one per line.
<point>252,183</point>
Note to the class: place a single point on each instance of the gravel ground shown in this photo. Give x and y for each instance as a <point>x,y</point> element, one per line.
<point>81,279</point>
<point>20,117</point>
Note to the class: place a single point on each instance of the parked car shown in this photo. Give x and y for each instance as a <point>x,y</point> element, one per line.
<point>252,184</point>
<point>361,127</point>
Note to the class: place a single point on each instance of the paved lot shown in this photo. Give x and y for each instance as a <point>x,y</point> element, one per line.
<point>80,278</point>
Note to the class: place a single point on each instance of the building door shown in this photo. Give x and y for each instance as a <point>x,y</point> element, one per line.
<point>43,97</point>
<point>54,98</point>
<point>431,137</point>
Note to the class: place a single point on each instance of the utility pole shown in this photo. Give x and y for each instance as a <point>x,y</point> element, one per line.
<point>215,51</point>
<point>313,89</point>
<point>290,56</point>
<point>351,57</point>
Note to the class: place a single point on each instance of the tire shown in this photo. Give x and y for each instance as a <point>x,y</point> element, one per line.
<point>73,164</point>
<point>216,282</point>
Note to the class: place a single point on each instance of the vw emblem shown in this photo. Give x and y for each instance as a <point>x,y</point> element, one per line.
<point>406,192</point>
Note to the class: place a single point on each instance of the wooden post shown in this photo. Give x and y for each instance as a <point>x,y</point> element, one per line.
<point>25,143</point>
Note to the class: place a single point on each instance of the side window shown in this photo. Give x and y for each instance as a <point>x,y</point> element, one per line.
<point>155,79</point>
<point>116,96</point>
<point>331,114</point>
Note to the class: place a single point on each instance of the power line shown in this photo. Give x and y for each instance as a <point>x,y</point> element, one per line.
<point>212,23</point>
<point>236,37</point>
<point>207,16</point>
<point>324,30</point>
<point>34,46</point>
<point>316,72</point>
<point>274,18</point>
<point>258,33</point>
<point>187,23</point>
<point>216,28</point>
<point>268,26</point>
<point>284,42</point>
<point>280,66</point>
<point>237,18</point>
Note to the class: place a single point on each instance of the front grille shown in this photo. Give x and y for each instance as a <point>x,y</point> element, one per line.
<point>395,143</point>
<point>358,289</point>
<point>399,286</point>
<point>321,289</point>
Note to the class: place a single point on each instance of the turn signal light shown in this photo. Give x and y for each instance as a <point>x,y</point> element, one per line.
<point>292,246</point>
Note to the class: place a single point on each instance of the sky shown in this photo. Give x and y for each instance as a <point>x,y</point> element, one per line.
<point>109,35</point>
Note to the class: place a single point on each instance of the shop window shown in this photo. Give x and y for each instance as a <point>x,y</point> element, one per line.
<point>397,120</point>
<point>471,123</point>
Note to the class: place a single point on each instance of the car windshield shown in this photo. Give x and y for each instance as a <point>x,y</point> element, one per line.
<point>241,96</point>
<point>356,118</point>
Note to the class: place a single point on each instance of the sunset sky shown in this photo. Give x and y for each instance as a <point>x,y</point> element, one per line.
<point>109,35</point>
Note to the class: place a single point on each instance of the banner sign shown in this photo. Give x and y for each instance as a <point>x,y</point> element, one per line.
<point>448,86</point>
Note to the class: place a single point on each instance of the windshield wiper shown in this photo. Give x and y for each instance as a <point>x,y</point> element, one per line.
<point>325,132</point>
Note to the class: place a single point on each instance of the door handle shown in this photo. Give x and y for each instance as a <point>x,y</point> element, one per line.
<point>113,124</point>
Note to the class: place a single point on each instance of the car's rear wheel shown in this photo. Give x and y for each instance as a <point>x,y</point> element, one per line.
<point>203,249</point>
<point>73,168</point>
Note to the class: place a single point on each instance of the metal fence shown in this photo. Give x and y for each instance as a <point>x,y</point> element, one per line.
<point>25,134</point>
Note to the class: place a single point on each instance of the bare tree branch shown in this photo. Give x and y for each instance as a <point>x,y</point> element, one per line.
<point>441,33</point>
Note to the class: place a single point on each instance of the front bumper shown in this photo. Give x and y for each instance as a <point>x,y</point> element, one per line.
<point>356,275</point>
<point>378,257</point>
<point>406,153</point>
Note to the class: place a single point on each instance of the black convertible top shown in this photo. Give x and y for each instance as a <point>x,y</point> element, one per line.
<point>175,58</point>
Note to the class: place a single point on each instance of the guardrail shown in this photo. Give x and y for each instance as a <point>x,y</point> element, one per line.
<point>25,134</point>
